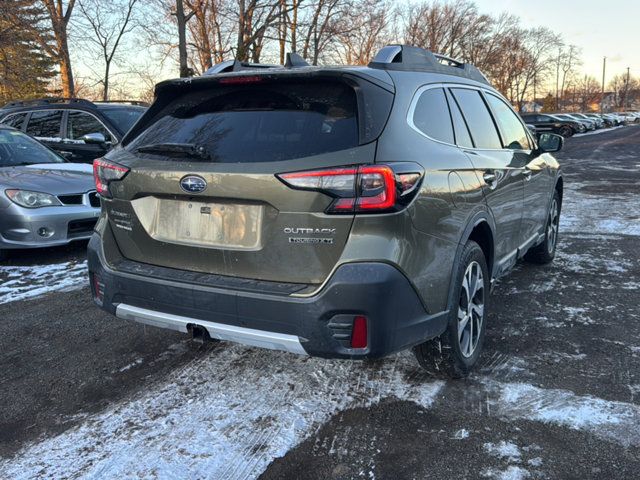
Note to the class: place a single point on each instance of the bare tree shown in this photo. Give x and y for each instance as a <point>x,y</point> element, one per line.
<point>102,26</point>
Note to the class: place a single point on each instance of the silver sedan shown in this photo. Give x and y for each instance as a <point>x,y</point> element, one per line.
<point>44,200</point>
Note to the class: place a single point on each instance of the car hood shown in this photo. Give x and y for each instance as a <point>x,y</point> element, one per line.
<point>53,178</point>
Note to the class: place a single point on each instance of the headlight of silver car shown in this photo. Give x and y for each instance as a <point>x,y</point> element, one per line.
<point>28,199</point>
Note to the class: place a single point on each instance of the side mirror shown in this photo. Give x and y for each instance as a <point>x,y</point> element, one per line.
<point>94,139</point>
<point>549,142</point>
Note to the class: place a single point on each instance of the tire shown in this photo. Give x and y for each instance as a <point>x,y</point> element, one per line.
<point>566,131</point>
<point>546,251</point>
<point>457,350</point>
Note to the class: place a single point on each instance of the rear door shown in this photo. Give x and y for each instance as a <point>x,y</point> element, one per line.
<point>221,208</point>
<point>77,124</point>
<point>46,126</point>
<point>501,175</point>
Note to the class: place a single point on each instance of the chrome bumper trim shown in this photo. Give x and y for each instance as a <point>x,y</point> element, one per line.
<point>246,336</point>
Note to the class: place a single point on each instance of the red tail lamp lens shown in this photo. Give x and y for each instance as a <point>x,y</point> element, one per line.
<point>364,188</point>
<point>105,172</point>
<point>359,333</point>
<point>98,288</point>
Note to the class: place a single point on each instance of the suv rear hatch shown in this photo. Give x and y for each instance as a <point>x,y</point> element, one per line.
<point>204,194</point>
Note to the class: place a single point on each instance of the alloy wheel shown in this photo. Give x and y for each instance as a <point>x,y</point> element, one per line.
<point>471,309</point>
<point>552,226</point>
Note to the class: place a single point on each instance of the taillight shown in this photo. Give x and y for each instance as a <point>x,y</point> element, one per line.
<point>364,188</point>
<point>105,172</point>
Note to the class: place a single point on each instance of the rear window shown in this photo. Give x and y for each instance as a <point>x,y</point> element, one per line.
<point>260,123</point>
<point>123,117</point>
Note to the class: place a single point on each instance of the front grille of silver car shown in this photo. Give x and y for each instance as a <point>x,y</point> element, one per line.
<point>94,199</point>
<point>75,199</point>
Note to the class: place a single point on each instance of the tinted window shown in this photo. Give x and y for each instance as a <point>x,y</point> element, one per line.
<point>431,115</point>
<point>15,120</point>
<point>478,118</point>
<point>261,122</point>
<point>463,139</point>
<point>16,148</point>
<point>81,123</point>
<point>45,123</point>
<point>514,135</point>
<point>123,117</point>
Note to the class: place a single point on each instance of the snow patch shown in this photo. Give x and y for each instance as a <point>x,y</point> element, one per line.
<point>461,434</point>
<point>21,283</point>
<point>507,450</point>
<point>209,421</point>
<point>511,473</point>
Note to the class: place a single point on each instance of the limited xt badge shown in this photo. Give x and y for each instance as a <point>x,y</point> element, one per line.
<point>310,231</point>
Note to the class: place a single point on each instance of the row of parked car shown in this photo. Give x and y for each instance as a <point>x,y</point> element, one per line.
<point>569,124</point>
<point>46,150</point>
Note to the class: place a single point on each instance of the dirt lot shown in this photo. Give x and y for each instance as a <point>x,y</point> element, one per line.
<point>557,396</point>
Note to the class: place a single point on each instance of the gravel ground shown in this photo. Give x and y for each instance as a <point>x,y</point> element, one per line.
<point>557,395</point>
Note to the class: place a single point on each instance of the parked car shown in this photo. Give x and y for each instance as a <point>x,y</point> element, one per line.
<point>44,200</point>
<point>549,123</point>
<point>565,117</point>
<point>628,117</point>
<point>598,121</point>
<point>607,122</point>
<point>77,129</point>
<point>614,118</point>
<point>338,212</point>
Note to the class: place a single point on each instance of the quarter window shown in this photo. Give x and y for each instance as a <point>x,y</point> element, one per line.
<point>431,115</point>
<point>478,118</point>
<point>15,120</point>
<point>513,133</point>
<point>81,123</point>
<point>45,123</point>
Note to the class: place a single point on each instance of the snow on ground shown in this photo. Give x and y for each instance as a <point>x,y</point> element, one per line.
<point>226,416</point>
<point>597,132</point>
<point>25,282</point>
<point>210,421</point>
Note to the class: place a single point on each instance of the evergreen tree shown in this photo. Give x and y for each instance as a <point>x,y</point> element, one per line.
<point>25,71</point>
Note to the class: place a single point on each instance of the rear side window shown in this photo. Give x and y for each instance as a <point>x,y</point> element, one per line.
<point>81,123</point>
<point>478,118</point>
<point>431,115</point>
<point>259,123</point>
<point>513,132</point>
<point>45,124</point>
<point>15,120</point>
<point>463,139</point>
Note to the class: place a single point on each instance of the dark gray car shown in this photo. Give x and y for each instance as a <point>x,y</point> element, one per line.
<point>339,212</point>
<point>44,200</point>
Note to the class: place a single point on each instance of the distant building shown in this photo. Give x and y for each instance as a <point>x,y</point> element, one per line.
<point>531,107</point>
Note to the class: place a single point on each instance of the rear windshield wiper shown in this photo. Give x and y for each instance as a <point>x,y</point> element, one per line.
<point>190,149</point>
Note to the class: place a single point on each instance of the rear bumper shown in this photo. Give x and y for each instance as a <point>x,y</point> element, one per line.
<point>318,325</point>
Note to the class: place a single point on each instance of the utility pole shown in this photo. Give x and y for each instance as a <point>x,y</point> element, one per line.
<point>604,68</point>
<point>626,92</point>
<point>558,81</point>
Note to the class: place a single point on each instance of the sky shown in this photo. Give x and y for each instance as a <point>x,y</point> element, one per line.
<point>600,28</point>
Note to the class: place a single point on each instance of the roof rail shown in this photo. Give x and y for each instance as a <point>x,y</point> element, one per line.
<point>138,103</point>
<point>47,101</point>
<point>414,59</point>
<point>293,60</point>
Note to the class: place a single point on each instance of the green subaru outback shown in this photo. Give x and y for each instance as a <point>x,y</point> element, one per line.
<point>340,212</point>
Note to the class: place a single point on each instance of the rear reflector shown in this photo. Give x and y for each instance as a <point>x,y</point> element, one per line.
<point>98,288</point>
<point>359,332</point>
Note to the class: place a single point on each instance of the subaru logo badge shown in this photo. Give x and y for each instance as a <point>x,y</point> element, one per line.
<point>193,184</point>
